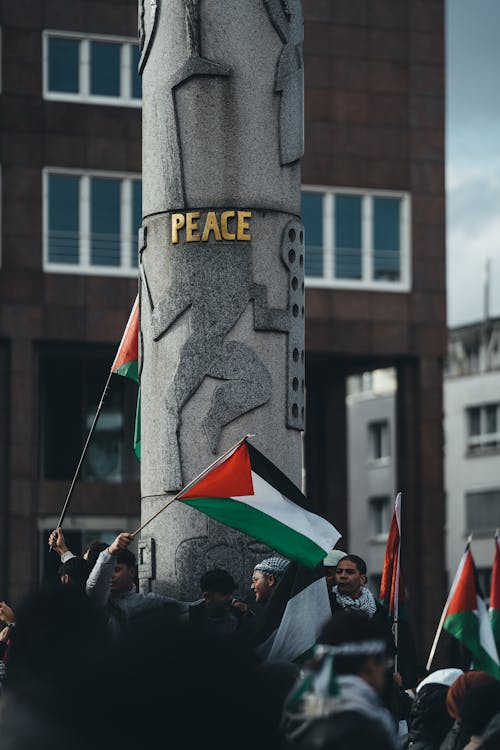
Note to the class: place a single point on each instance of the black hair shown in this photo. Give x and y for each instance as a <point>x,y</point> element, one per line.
<point>94,550</point>
<point>126,557</point>
<point>218,581</point>
<point>351,626</point>
<point>77,569</point>
<point>358,562</point>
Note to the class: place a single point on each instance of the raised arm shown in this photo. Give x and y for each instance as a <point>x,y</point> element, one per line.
<point>99,581</point>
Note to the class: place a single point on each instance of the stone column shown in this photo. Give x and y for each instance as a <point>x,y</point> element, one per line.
<point>221,258</point>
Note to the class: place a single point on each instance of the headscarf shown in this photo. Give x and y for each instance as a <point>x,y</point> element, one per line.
<point>274,565</point>
<point>440,677</point>
<point>460,688</point>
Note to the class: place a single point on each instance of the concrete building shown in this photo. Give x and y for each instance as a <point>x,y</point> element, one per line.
<point>373,207</point>
<point>472,444</point>
<point>372,465</point>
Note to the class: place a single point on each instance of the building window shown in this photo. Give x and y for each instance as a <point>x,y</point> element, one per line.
<point>91,222</point>
<point>482,511</point>
<point>380,517</point>
<point>71,387</point>
<point>96,69</point>
<point>378,438</point>
<point>356,239</point>
<point>483,428</point>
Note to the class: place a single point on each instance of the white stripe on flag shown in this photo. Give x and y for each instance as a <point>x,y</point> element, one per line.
<point>268,500</point>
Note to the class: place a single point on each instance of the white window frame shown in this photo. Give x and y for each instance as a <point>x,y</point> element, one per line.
<point>84,266</point>
<point>125,98</point>
<point>480,444</point>
<point>328,279</point>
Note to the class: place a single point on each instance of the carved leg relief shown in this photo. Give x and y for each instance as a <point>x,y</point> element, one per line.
<point>248,386</point>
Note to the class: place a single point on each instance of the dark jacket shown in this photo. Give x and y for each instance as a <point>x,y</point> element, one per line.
<point>456,739</point>
<point>429,721</point>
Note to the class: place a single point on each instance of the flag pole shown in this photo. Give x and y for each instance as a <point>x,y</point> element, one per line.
<point>443,616</point>
<point>396,586</point>
<point>190,484</point>
<point>84,451</point>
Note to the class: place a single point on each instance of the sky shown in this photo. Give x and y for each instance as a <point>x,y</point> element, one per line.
<point>472,156</point>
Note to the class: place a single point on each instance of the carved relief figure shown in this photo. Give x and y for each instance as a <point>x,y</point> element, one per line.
<point>286,18</point>
<point>215,282</point>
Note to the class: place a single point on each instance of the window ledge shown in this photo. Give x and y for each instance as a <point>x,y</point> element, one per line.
<point>482,452</point>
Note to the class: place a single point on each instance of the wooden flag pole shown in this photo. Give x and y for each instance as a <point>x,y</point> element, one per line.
<point>190,484</point>
<point>84,451</point>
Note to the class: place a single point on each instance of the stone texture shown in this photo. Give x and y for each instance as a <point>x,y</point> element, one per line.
<point>222,316</point>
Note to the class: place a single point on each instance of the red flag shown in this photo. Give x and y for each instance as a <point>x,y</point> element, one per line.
<point>391,586</point>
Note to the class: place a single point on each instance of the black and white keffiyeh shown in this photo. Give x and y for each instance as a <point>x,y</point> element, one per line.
<point>365,602</point>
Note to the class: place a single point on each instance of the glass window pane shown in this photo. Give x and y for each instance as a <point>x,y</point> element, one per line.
<point>136,81</point>
<point>105,222</point>
<point>104,458</point>
<point>63,217</point>
<point>61,416</point>
<point>474,421</point>
<point>64,66</point>
<point>491,419</point>
<point>348,237</point>
<point>386,249</point>
<point>312,218</point>
<point>136,217</point>
<point>105,68</point>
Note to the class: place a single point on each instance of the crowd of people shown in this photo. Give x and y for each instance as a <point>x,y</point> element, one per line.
<point>93,662</point>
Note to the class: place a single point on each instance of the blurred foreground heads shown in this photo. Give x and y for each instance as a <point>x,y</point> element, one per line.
<point>69,684</point>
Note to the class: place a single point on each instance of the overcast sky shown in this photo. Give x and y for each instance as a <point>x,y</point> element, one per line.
<point>472,156</point>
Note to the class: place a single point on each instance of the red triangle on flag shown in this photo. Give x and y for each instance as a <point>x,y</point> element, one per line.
<point>231,478</point>
<point>464,597</point>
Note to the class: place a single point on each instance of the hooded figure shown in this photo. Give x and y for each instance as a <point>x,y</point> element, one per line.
<point>429,721</point>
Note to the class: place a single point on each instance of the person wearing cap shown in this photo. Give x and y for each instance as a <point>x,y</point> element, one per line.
<point>330,566</point>
<point>266,576</point>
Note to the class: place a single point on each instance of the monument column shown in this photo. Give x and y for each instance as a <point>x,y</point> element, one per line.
<point>221,260</point>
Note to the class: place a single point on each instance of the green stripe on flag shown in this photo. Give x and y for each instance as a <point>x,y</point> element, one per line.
<point>137,427</point>
<point>495,624</point>
<point>129,370</point>
<point>255,523</point>
<point>464,626</point>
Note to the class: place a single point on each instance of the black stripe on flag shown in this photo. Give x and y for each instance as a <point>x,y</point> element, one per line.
<point>273,476</point>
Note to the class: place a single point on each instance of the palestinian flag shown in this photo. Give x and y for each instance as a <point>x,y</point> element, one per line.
<point>126,363</point>
<point>495,593</point>
<point>467,618</point>
<point>290,623</point>
<point>245,491</point>
<point>392,591</point>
